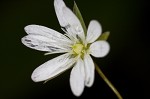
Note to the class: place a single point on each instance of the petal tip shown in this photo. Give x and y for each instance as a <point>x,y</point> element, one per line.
<point>34,78</point>
<point>100,48</point>
<point>28,28</point>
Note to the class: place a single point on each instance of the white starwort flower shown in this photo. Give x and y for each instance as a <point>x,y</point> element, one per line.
<point>76,46</point>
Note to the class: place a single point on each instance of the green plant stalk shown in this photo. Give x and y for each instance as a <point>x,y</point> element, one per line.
<point>108,82</point>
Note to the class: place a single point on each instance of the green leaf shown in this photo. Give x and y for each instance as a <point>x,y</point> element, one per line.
<point>78,14</point>
<point>104,36</point>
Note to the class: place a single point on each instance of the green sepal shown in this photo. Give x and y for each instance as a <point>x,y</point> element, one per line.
<point>78,14</point>
<point>104,36</point>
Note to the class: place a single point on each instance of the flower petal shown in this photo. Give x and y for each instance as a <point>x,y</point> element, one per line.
<point>68,20</point>
<point>59,5</point>
<point>77,78</point>
<point>47,32</point>
<point>89,70</point>
<point>99,48</point>
<point>53,67</point>
<point>43,43</point>
<point>94,31</point>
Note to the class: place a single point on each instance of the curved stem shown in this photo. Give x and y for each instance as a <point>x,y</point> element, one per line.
<point>108,82</point>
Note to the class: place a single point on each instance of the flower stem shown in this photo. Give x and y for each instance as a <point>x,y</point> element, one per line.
<point>108,82</point>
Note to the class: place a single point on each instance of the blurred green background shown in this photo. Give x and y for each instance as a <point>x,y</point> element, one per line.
<point>127,64</point>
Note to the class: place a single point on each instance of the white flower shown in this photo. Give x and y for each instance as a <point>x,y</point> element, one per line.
<point>76,46</point>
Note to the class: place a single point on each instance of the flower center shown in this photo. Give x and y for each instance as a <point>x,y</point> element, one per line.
<point>78,48</point>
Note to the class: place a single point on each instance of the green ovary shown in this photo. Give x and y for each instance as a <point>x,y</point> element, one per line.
<point>78,48</point>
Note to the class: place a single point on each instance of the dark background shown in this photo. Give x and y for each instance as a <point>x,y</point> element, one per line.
<point>126,66</point>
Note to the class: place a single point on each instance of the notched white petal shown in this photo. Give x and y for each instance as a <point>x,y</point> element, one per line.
<point>42,43</point>
<point>52,68</point>
<point>89,70</point>
<point>74,25</point>
<point>94,31</point>
<point>99,48</point>
<point>77,77</point>
<point>59,5</point>
<point>68,20</point>
<point>47,32</point>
